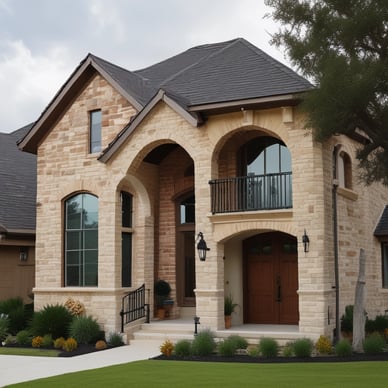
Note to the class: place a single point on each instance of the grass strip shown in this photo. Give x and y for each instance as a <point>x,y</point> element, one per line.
<point>10,351</point>
<point>153,373</point>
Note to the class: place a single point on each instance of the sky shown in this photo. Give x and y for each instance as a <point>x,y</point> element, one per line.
<point>43,41</point>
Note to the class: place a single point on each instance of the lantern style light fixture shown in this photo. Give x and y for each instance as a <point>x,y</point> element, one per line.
<point>306,241</point>
<point>202,247</point>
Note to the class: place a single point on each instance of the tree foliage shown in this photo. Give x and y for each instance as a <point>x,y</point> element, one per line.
<point>342,46</point>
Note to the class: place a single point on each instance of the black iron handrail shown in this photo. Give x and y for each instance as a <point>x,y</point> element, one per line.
<point>252,192</point>
<point>134,307</point>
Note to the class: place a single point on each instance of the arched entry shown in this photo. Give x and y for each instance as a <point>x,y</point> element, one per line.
<point>271,279</point>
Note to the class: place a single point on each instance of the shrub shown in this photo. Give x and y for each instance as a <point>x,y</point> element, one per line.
<point>227,347</point>
<point>241,343</point>
<point>17,313</point>
<point>52,319</point>
<point>374,343</point>
<point>115,339</point>
<point>343,348</point>
<point>37,341</point>
<point>75,307</point>
<point>69,345</point>
<point>4,326</point>
<point>253,351</point>
<point>10,340</point>
<point>203,344</point>
<point>59,342</point>
<point>183,348</point>
<point>347,320</point>
<point>23,337</point>
<point>85,330</point>
<point>101,345</point>
<point>303,347</point>
<point>47,341</point>
<point>166,348</point>
<point>268,347</point>
<point>288,349</point>
<point>323,345</point>
<point>379,324</point>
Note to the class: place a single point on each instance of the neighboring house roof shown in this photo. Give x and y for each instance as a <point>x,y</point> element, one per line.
<point>382,226</point>
<point>17,185</point>
<point>227,75</point>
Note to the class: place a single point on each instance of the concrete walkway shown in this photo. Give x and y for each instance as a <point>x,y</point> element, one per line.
<point>16,369</point>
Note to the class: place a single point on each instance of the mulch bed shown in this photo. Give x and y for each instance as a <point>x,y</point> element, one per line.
<point>281,360</point>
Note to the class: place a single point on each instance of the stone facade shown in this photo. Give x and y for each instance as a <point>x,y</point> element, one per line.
<point>65,167</point>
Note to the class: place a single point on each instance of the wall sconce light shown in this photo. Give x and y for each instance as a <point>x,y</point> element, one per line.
<point>202,247</point>
<point>306,241</point>
<point>23,253</point>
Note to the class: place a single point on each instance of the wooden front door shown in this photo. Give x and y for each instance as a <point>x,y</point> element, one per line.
<point>271,279</point>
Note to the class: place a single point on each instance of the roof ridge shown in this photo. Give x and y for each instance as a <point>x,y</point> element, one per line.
<point>229,43</point>
<point>275,62</point>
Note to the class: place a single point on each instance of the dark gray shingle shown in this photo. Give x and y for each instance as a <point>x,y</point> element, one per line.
<point>382,226</point>
<point>17,183</point>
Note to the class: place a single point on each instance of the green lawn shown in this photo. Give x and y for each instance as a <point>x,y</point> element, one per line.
<point>28,352</point>
<point>153,373</point>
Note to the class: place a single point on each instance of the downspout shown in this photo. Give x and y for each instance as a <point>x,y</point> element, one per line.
<point>335,241</point>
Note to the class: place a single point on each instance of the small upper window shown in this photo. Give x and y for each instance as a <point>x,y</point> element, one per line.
<point>344,170</point>
<point>95,131</point>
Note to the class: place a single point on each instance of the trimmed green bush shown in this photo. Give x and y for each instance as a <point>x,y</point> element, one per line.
<point>115,339</point>
<point>182,348</point>
<point>241,343</point>
<point>23,337</point>
<point>227,347</point>
<point>4,326</point>
<point>343,348</point>
<point>85,330</point>
<point>288,350</point>
<point>303,347</point>
<point>203,343</point>
<point>379,324</point>
<point>52,319</point>
<point>268,347</point>
<point>374,343</point>
<point>47,341</point>
<point>18,314</point>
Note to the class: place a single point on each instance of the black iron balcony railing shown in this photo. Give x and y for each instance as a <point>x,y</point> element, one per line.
<point>253,192</point>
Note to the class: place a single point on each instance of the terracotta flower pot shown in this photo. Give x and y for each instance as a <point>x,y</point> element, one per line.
<point>228,321</point>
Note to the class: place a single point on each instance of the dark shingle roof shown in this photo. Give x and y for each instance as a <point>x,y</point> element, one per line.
<point>17,183</point>
<point>382,226</point>
<point>223,72</point>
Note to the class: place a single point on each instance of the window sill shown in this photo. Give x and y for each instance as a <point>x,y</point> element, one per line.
<point>347,193</point>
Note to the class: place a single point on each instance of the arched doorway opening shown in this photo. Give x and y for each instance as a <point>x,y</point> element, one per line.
<point>271,279</point>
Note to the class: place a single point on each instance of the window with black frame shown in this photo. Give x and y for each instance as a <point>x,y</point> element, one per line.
<point>81,241</point>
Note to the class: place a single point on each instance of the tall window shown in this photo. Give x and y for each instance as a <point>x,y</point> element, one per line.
<point>81,241</point>
<point>344,170</point>
<point>95,131</point>
<point>126,239</point>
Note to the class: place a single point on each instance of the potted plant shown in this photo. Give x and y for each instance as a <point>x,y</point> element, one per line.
<point>229,307</point>
<point>162,291</point>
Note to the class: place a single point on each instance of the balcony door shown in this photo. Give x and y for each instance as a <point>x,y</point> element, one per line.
<point>271,279</point>
<point>185,251</point>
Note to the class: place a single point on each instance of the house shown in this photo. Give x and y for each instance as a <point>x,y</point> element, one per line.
<point>17,217</point>
<point>136,167</point>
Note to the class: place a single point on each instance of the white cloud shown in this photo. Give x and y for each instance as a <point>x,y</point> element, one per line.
<point>26,82</point>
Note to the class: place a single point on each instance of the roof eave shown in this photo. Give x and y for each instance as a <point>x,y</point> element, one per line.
<point>292,99</point>
<point>64,98</point>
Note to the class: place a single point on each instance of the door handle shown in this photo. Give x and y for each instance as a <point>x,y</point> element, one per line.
<point>278,289</point>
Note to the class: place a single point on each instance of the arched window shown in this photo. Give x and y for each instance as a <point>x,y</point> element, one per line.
<point>266,163</point>
<point>81,240</point>
<point>344,172</point>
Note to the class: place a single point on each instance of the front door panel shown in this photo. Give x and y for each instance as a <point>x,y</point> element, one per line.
<point>271,279</point>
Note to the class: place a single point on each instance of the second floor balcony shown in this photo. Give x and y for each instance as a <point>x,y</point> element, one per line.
<point>252,192</point>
